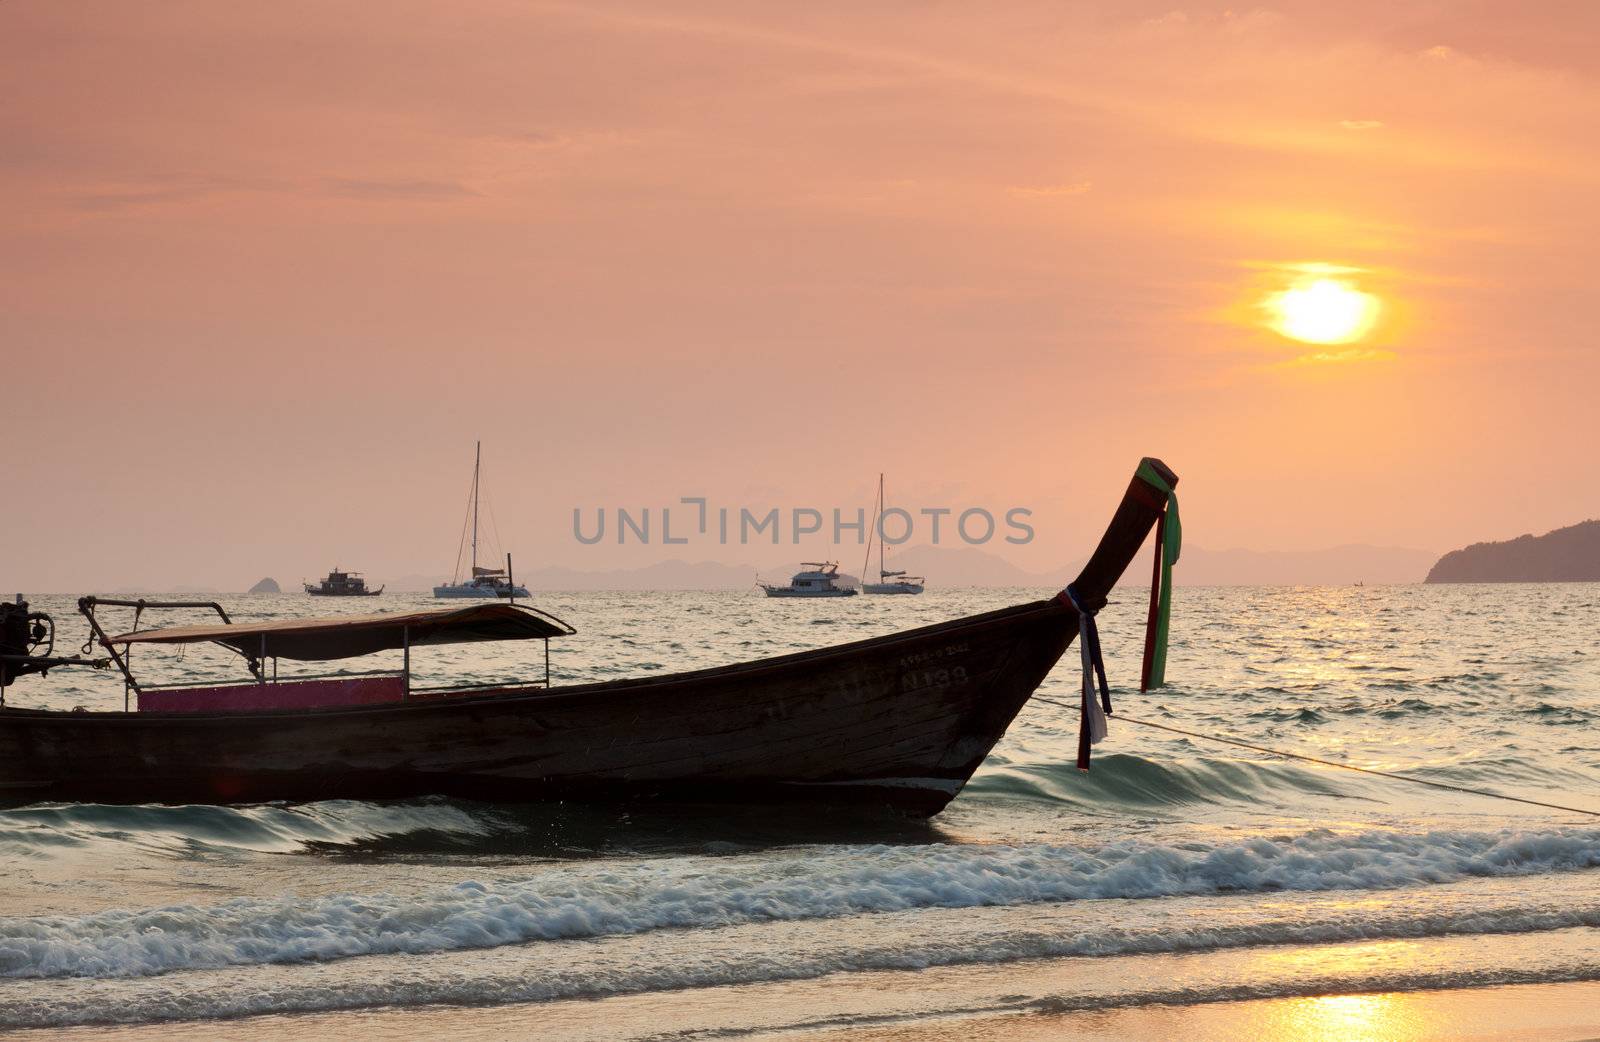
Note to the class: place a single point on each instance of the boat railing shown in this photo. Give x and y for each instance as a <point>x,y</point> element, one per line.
<point>124,659</point>
<point>301,691</point>
<point>477,685</point>
<point>276,679</point>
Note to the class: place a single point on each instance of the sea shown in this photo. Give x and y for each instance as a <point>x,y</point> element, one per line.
<point>1177,871</point>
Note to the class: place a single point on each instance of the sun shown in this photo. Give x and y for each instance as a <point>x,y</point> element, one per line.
<point>1323,310</point>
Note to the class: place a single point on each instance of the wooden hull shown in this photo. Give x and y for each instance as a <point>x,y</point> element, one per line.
<point>899,721</point>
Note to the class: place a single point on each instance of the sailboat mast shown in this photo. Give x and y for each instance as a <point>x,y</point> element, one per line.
<point>477,461</point>
<point>880,537</point>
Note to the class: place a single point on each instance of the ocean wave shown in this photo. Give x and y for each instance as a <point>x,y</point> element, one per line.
<point>738,956</point>
<point>1556,715</point>
<point>266,828</point>
<point>1285,714</point>
<point>1393,710</point>
<point>1125,781</point>
<point>434,828</point>
<point>612,899</point>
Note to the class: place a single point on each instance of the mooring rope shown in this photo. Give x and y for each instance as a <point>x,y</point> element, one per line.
<point>1333,763</point>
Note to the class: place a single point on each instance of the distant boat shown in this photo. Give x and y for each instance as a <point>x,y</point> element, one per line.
<point>820,579</point>
<point>342,584</point>
<point>888,582</point>
<point>480,581</point>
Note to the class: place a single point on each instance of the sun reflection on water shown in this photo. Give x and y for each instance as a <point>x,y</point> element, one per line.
<point>1391,1017</point>
<point>1350,1018</point>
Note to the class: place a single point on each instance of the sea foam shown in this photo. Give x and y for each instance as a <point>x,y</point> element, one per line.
<point>581,901</point>
<point>1439,932</point>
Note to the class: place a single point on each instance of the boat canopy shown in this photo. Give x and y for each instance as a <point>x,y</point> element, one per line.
<point>348,636</point>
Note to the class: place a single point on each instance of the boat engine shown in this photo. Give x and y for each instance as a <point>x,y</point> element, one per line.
<point>27,640</point>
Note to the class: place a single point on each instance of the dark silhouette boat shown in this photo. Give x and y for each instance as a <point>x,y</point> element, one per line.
<point>899,721</point>
<point>342,584</point>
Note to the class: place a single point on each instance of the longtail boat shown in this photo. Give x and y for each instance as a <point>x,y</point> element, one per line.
<point>899,721</point>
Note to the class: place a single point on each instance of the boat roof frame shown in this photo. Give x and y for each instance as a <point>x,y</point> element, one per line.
<point>318,639</point>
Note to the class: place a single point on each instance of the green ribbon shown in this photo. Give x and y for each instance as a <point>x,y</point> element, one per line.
<point>1171,547</point>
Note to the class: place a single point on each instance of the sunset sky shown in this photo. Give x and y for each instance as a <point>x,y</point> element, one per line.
<point>270,269</point>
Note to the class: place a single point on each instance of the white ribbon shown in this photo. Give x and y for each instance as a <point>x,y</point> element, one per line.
<point>1092,712</point>
<point>1091,698</point>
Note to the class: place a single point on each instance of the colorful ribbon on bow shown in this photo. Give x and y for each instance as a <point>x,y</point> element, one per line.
<point>1169,543</point>
<point>1092,721</point>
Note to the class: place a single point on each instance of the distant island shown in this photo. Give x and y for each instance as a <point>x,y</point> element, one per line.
<point>1570,554</point>
<point>266,586</point>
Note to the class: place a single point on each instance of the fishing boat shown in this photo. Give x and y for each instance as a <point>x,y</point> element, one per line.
<point>481,581</point>
<point>899,721</point>
<point>815,579</point>
<point>888,582</point>
<point>341,584</point>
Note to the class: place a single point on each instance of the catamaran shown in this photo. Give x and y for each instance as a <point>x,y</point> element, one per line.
<point>888,582</point>
<point>899,721</point>
<point>481,581</point>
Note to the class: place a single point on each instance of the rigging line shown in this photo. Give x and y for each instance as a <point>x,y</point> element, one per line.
<point>1334,763</point>
<point>494,526</point>
<point>877,505</point>
<point>461,546</point>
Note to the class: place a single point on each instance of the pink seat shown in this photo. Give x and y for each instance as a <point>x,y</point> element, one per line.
<point>289,694</point>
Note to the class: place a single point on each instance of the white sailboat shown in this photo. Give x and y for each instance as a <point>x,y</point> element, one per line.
<point>888,582</point>
<point>480,581</point>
